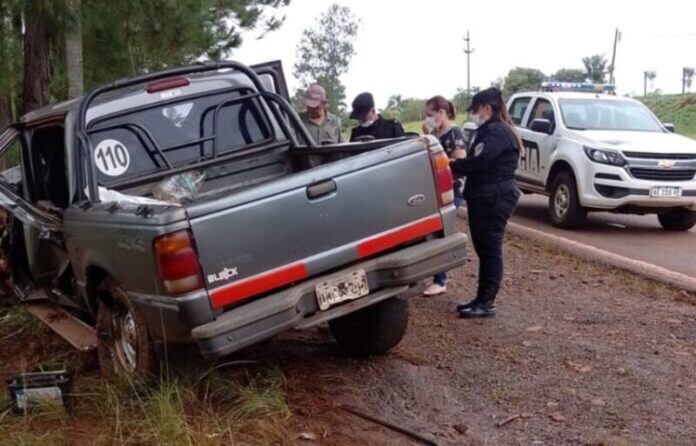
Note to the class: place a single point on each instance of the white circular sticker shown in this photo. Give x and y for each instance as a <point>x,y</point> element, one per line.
<point>111,157</point>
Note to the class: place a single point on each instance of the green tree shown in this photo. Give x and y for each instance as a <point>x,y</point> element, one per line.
<point>325,51</point>
<point>595,67</point>
<point>462,99</point>
<point>687,78</point>
<point>521,79</point>
<point>648,76</point>
<point>119,38</point>
<point>393,109</point>
<point>569,75</point>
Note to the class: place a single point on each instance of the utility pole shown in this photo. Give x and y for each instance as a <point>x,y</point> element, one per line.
<point>645,83</point>
<point>468,52</point>
<point>617,37</point>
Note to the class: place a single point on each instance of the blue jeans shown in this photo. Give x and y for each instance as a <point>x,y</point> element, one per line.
<point>441,278</point>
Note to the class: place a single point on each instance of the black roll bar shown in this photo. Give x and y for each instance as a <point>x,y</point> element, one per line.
<point>86,146</point>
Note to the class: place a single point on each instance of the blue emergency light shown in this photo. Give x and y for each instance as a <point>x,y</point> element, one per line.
<point>585,87</point>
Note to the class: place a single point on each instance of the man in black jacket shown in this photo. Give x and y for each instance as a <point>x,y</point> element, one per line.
<point>370,123</point>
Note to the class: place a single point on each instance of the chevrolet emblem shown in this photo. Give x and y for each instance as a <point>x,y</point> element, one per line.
<point>666,164</point>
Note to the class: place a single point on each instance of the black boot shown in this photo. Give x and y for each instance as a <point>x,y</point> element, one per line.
<point>479,310</point>
<point>483,306</point>
<point>463,305</point>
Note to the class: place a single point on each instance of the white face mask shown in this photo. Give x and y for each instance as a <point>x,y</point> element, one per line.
<point>477,119</point>
<point>367,123</point>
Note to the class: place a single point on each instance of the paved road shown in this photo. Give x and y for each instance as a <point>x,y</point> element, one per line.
<point>637,237</point>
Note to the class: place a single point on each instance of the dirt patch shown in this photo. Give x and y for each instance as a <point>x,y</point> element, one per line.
<point>578,354</point>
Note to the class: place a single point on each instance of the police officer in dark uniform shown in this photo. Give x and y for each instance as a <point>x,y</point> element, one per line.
<point>370,123</point>
<point>490,193</point>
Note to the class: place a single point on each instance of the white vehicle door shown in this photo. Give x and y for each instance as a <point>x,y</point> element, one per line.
<point>539,141</point>
<point>518,110</point>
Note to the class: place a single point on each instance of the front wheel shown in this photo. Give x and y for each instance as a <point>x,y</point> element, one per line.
<point>680,219</point>
<point>124,346</point>
<point>565,210</point>
<point>373,330</point>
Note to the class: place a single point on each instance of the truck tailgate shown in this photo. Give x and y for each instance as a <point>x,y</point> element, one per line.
<point>283,231</point>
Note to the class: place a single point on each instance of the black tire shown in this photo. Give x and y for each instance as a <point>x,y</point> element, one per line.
<point>680,219</point>
<point>565,210</point>
<point>124,350</point>
<point>374,330</point>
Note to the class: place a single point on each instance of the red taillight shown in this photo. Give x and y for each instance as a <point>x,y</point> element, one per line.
<point>443,177</point>
<point>167,84</point>
<point>177,263</point>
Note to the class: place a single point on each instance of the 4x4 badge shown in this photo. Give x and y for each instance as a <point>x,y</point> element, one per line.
<point>416,200</point>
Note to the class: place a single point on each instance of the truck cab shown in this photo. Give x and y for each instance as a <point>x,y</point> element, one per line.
<point>275,234</point>
<point>592,151</point>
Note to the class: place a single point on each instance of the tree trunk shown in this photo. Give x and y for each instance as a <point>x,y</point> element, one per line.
<point>5,112</point>
<point>73,52</point>
<point>37,58</point>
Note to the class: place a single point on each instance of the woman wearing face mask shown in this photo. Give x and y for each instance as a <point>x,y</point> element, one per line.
<point>439,122</point>
<point>490,193</point>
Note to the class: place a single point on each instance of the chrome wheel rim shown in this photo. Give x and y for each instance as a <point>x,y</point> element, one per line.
<point>125,340</point>
<point>561,200</point>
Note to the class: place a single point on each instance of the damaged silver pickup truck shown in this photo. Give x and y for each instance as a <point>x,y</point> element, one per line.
<point>276,233</point>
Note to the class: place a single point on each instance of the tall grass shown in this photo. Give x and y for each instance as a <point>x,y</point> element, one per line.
<point>224,408</point>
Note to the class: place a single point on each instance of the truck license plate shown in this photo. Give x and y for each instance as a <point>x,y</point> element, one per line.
<point>349,287</point>
<point>665,192</point>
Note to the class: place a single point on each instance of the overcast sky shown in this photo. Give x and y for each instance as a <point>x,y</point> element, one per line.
<point>414,48</point>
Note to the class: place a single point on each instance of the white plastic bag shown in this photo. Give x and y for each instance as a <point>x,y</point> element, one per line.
<point>180,188</point>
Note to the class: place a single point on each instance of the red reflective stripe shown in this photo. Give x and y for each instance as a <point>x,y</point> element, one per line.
<point>284,275</point>
<point>257,284</point>
<point>398,236</point>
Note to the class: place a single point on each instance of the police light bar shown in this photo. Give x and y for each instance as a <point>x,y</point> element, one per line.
<point>585,87</point>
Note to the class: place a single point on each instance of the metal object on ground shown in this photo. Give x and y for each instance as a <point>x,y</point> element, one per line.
<point>74,331</point>
<point>388,425</point>
<point>31,390</point>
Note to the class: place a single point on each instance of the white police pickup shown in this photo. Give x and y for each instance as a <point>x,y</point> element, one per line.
<point>590,151</point>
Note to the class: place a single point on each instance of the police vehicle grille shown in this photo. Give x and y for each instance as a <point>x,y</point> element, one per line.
<point>661,156</point>
<point>663,174</point>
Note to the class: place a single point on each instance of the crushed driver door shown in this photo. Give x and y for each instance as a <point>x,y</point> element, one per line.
<point>40,231</point>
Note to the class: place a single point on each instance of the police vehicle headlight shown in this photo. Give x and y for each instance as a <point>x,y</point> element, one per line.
<point>605,156</point>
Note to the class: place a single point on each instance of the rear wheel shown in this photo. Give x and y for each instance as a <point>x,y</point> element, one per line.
<point>680,219</point>
<point>565,210</point>
<point>124,345</point>
<point>374,330</point>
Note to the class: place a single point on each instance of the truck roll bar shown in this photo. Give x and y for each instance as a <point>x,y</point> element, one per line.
<point>271,99</point>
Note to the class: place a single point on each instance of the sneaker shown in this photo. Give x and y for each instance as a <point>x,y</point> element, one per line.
<point>480,310</point>
<point>434,289</point>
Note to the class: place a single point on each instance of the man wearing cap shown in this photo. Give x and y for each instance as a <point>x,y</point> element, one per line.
<point>324,127</point>
<point>370,123</point>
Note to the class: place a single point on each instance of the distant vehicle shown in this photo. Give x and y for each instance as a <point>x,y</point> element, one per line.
<point>591,151</point>
<point>281,234</point>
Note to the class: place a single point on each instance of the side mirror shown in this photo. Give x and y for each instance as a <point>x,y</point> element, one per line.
<point>669,126</point>
<point>541,126</point>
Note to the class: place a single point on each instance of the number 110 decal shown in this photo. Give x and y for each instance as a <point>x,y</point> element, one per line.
<point>111,157</point>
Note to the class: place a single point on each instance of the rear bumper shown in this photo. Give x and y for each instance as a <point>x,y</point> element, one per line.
<point>296,307</point>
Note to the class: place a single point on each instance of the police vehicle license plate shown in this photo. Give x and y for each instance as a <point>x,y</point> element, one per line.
<point>349,287</point>
<point>665,192</point>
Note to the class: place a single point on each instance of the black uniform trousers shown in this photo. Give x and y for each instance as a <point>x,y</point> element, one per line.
<point>488,216</point>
